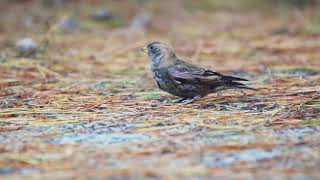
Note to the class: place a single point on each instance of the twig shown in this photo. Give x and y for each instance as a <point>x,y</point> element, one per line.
<point>309,100</point>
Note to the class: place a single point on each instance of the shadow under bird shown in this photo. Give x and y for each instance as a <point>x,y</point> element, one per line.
<point>185,80</point>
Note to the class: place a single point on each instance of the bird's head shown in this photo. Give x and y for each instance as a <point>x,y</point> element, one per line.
<point>159,52</point>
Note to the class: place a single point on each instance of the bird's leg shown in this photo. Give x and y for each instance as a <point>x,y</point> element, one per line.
<point>190,100</point>
<point>179,100</point>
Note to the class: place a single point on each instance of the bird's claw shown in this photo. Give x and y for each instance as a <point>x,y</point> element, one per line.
<point>187,101</point>
<point>184,100</point>
<point>179,100</point>
<point>190,100</point>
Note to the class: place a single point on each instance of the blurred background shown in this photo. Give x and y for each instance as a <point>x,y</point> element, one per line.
<point>226,31</point>
<point>77,98</point>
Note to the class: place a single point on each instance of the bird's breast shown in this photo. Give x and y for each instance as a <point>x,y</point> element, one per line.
<point>162,78</point>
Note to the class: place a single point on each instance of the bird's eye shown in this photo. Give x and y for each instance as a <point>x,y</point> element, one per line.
<point>151,48</point>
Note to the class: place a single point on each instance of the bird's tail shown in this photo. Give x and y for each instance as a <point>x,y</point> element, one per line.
<point>237,85</point>
<point>229,78</point>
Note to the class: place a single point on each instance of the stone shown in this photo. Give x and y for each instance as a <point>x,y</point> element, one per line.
<point>68,24</point>
<point>26,46</point>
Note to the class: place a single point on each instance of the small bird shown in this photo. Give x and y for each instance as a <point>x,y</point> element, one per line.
<point>185,80</point>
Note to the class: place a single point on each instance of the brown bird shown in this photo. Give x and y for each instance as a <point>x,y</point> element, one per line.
<point>183,79</point>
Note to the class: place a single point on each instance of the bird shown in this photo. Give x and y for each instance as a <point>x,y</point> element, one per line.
<point>187,81</point>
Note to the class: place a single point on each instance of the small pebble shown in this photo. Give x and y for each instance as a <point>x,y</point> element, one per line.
<point>26,46</point>
<point>101,15</point>
<point>68,24</point>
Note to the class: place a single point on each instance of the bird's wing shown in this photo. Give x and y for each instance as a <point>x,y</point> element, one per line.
<point>196,75</point>
<point>183,68</point>
<point>184,75</point>
<point>230,78</point>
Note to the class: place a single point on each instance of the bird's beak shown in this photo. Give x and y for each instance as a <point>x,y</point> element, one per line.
<point>144,49</point>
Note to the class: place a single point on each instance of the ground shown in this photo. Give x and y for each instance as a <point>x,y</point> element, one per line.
<point>85,106</point>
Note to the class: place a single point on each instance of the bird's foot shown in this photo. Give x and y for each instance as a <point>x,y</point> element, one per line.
<point>190,100</point>
<point>179,100</point>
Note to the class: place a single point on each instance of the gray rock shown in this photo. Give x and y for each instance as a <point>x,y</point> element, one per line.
<point>68,24</point>
<point>26,46</point>
<point>101,15</point>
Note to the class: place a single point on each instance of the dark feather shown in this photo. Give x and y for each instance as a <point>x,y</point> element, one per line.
<point>239,85</point>
<point>230,78</point>
<point>221,80</point>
